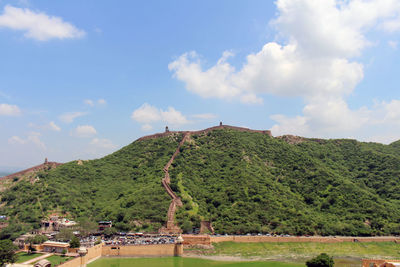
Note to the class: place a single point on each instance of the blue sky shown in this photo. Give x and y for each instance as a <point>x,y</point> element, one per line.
<point>80,79</point>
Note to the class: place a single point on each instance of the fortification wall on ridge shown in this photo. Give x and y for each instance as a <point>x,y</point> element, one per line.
<point>205,131</point>
<point>33,169</point>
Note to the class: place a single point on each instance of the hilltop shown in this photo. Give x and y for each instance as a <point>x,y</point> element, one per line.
<point>238,179</point>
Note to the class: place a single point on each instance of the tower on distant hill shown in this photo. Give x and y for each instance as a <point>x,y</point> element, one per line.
<point>166,129</point>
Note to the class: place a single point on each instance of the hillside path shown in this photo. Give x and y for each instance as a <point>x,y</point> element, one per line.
<point>176,201</point>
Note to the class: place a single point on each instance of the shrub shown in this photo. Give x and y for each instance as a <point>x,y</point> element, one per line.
<point>322,260</point>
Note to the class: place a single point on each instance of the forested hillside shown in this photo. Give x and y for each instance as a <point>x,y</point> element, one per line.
<point>240,181</point>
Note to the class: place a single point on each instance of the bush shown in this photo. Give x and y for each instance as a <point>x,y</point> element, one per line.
<point>75,243</point>
<point>322,260</point>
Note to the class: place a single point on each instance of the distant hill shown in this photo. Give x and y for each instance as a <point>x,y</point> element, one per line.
<point>240,181</point>
<point>4,173</point>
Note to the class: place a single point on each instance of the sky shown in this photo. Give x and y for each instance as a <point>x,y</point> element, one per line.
<point>81,79</point>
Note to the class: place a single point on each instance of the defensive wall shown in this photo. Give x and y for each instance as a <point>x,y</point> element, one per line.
<point>33,169</point>
<point>196,240</point>
<point>205,131</point>
<point>316,239</point>
<point>157,250</point>
<point>94,253</point>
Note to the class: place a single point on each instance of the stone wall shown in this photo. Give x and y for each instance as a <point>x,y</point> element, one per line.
<point>196,240</point>
<point>205,131</point>
<point>141,251</point>
<point>317,239</point>
<point>46,165</point>
<point>93,253</point>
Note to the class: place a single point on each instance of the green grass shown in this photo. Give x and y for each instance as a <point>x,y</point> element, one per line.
<point>306,250</point>
<point>56,260</point>
<point>23,256</point>
<point>182,262</point>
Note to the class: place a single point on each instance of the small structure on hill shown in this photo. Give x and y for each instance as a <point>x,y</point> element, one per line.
<point>55,247</point>
<point>55,224</point>
<point>104,224</point>
<point>166,129</point>
<point>43,263</point>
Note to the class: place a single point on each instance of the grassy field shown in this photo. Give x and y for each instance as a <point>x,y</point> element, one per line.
<point>181,262</point>
<point>307,250</point>
<point>56,260</point>
<point>23,256</point>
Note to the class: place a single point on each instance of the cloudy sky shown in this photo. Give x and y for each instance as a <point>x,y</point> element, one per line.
<point>80,79</point>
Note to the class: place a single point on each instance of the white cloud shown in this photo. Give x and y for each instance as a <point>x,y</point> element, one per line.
<point>146,127</point>
<point>9,110</point>
<point>251,99</point>
<point>214,82</point>
<point>147,114</point>
<point>393,44</point>
<point>173,117</point>
<point>38,25</point>
<point>334,118</point>
<point>84,131</point>
<point>89,102</point>
<point>205,116</point>
<point>323,118</point>
<point>32,138</point>
<point>92,103</point>
<point>53,126</point>
<point>321,38</point>
<point>16,140</point>
<point>101,101</point>
<point>71,116</point>
<point>102,143</point>
<point>314,57</point>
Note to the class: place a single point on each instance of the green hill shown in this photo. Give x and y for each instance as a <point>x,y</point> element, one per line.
<point>240,181</point>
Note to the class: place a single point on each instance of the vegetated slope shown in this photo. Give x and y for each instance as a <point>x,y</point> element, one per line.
<point>240,181</point>
<point>249,182</point>
<point>124,187</point>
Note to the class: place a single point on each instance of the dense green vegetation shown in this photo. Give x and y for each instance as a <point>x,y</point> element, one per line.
<point>243,182</point>
<point>124,187</point>
<point>7,252</point>
<point>249,182</point>
<point>322,260</point>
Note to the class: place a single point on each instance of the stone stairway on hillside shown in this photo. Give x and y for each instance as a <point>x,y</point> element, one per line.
<point>171,227</point>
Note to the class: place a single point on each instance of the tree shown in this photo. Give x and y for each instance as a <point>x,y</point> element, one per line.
<point>7,252</point>
<point>75,243</point>
<point>65,234</point>
<point>322,260</point>
<point>86,227</point>
<point>110,231</point>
